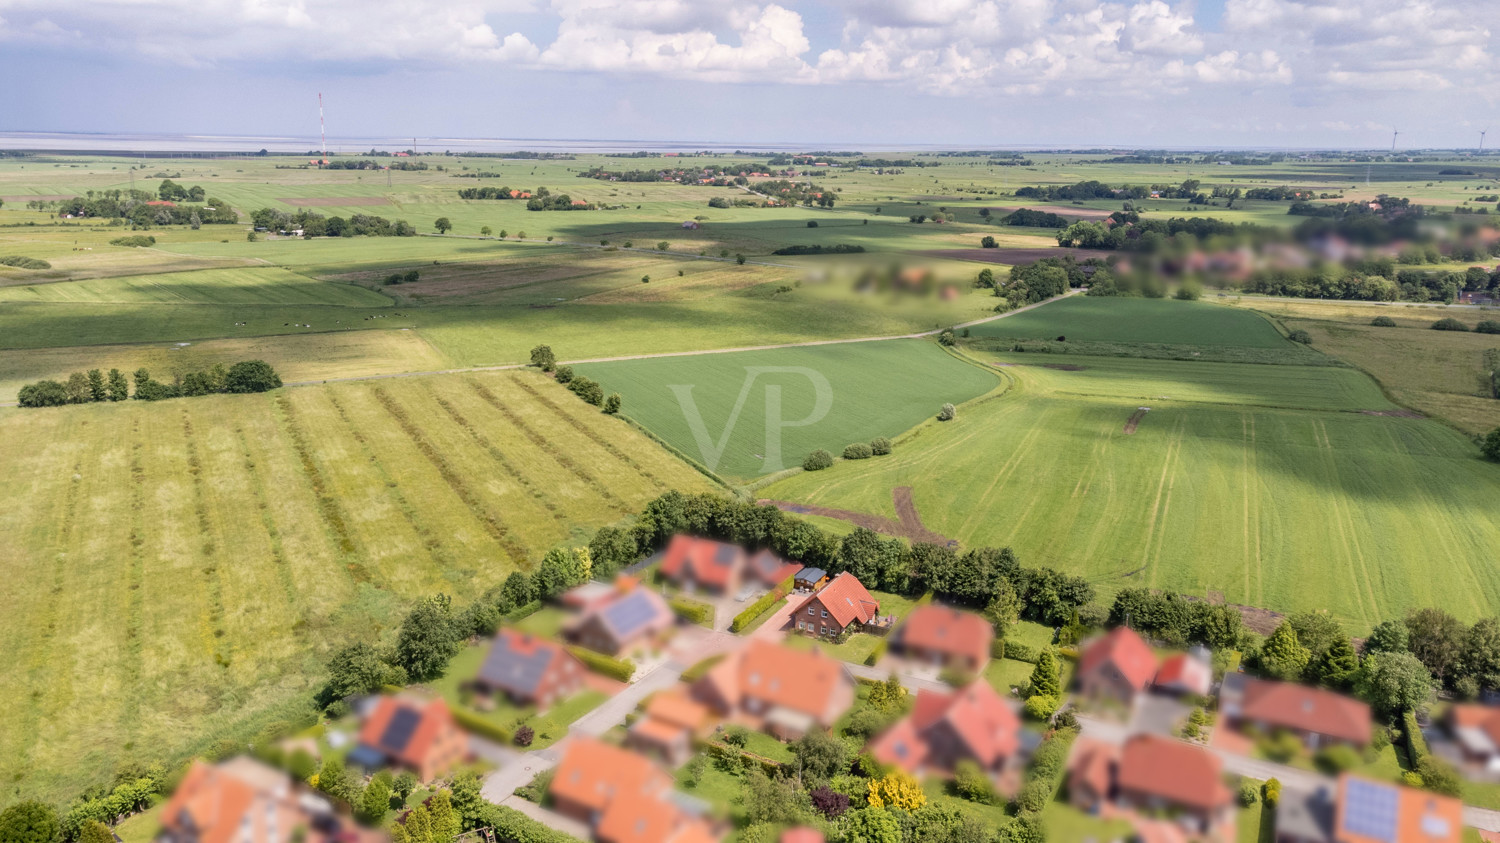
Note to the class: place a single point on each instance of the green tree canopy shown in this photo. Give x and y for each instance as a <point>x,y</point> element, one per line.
<point>1282,655</point>
<point>30,822</point>
<point>1393,682</point>
<point>428,638</point>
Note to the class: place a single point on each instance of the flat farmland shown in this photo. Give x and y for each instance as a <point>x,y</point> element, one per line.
<point>246,286</point>
<point>1364,515</point>
<point>1109,319</point>
<point>180,569</point>
<point>873,389</point>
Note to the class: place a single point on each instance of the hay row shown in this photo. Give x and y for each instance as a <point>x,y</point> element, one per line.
<point>593,436</point>
<point>328,506</point>
<point>499,457</point>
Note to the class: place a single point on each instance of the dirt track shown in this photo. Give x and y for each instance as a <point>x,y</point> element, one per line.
<point>909,527</point>
<point>1135,419</point>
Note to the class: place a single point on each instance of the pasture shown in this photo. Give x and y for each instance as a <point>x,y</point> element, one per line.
<point>247,286</point>
<point>749,405</point>
<point>1288,509</point>
<point>1137,320</point>
<point>180,569</point>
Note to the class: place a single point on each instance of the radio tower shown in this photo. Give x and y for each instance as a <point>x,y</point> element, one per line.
<point>323,131</point>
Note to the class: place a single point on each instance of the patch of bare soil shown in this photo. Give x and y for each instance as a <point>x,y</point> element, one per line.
<point>333,201</point>
<point>1400,414</point>
<point>1135,419</point>
<point>909,527</point>
<point>1060,210</point>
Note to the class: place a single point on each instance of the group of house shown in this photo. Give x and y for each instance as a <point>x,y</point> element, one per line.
<point>242,799</point>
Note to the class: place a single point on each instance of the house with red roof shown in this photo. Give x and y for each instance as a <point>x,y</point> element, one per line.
<point>842,603</point>
<point>633,616</point>
<point>1475,730</point>
<point>244,800</point>
<point>783,691</point>
<point>530,670</point>
<point>419,735</point>
<point>945,637</point>
<point>1153,775</point>
<point>1115,667</point>
<point>670,723</point>
<point>622,796</point>
<point>695,564</point>
<point>1316,716</point>
<point>1184,674</point>
<point>971,723</point>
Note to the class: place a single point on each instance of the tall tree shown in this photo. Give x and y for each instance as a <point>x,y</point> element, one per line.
<point>1389,636</point>
<point>30,822</point>
<point>119,387</point>
<point>1045,680</point>
<point>97,390</point>
<point>1337,666</point>
<point>1436,639</point>
<point>1282,655</point>
<point>1481,653</point>
<point>1393,682</point>
<point>427,639</point>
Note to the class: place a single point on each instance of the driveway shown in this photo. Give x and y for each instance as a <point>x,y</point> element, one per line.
<point>781,619</point>
<point>911,683</point>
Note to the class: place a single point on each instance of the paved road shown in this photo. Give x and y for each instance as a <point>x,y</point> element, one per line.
<point>910,682</point>
<point>612,711</point>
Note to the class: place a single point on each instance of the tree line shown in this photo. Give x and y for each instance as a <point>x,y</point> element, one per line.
<point>316,225</point>
<point>244,377</point>
<point>133,205</point>
<point>504,192</point>
<point>1094,189</point>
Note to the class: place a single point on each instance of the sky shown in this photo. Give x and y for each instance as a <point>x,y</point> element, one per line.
<point>850,73</point>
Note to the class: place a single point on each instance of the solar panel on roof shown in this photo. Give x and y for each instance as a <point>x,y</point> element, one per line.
<point>629,614</point>
<point>398,731</point>
<point>513,671</point>
<point>1370,810</point>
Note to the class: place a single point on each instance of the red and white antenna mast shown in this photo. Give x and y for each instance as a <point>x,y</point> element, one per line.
<point>322,130</point>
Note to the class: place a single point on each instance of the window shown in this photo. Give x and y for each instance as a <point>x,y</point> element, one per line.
<point>811,610</point>
<point>825,613</point>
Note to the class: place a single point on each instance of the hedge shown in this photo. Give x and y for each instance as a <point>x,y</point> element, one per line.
<point>694,673</point>
<point>719,749</point>
<point>621,669</point>
<point>761,606</point>
<point>1021,653</point>
<point>692,611</point>
<point>477,725</point>
<point>997,648</point>
<point>523,612</point>
<point>510,824</point>
<point>876,653</point>
<point>1416,745</point>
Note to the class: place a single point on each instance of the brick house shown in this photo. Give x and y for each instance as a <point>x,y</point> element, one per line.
<point>945,637</point>
<point>1318,717</point>
<point>417,735</point>
<point>1115,667</point>
<point>530,670</point>
<point>835,606</point>
<point>635,615</point>
<point>1153,775</point>
<point>971,723</point>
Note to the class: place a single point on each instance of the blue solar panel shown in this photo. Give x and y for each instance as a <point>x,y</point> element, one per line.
<point>1370,809</point>
<point>399,730</point>
<point>518,673</point>
<point>628,614</point>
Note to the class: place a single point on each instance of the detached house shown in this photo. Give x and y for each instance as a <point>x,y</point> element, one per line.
<point>1115,667</point>
<point>834,607</point>
<point>244,800</point>
<point>786,692</point>
<point>1475,730</point>
<point>1320,718</point>
<point>530,670</point>
<point>1152,774</point>
<point>945,637</point>
<point>622,796</point>
<point>971,723</point>
<point>407,732</point>
<point>695,564</point>
<point>635,615</point>
<point>671,721</point>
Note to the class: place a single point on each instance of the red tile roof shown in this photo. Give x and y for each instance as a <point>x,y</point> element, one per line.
<point>802,681</point>
<point>1185,673</point>
<point>434,720</point>
<point>708,562</point>
<point>974,714</point>
<point>1123,650</point>
<point>1291,706</point>
<point>846,600</point>
<point>593,773</point>
<point>950,631</point>
<point>1172,770</point>
<point>802,835</point>
<point>236,800</point>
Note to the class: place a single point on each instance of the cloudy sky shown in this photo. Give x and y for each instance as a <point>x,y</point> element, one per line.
<point>859,72</point>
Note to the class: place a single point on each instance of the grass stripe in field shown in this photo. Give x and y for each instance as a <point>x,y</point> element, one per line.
<point>1112,319</point>
<point>246,286</point>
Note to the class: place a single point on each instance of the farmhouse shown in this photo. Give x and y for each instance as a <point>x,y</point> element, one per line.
<point>418,735</point>
<point>622,796</point>
<point>945,637</point>
<point>1318,717</point>
<point>634,616</point>
<point>783,691</point>
<point>1151,774</point>
<point>1116,667</point>
<point>243,799</point>
<point>971,723</point>
<point>529,670</point>
<point>842,603</point>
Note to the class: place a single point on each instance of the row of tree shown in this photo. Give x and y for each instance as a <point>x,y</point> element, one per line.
<point>316,225</point>
<point>246,376</point>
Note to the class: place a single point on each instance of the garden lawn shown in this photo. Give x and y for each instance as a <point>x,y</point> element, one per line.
<point>994,816</point>
<point>550,726</point>
<point>716,787</point>
<point>1065,822</point>
<point>854,650</point>
<point>1114,319</point>
<point>546,622</point>
<point>738,413</point>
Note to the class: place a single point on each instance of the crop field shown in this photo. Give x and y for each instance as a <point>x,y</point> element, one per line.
<point>872,389</point>
<point>1106,319</point>
<point>178,570</point>
<point>249,286</point>
<point>1361,514</point>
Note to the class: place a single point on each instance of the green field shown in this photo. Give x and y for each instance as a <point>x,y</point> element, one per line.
<point>1104,319</point>
<point>874,389</point>
<point>250,286</point>
<point>1283,508</point>
<point>180,569</point>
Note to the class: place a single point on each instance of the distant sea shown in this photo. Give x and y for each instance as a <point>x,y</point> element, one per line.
<point>242,145</point>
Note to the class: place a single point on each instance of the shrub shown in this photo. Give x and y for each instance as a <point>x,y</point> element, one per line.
<point>971,783</point>
<point>524,736</point>
<point>564,374</point>
<point>136,241</point>
<point>1300,335</point>
<point>251,376</point>
<point>543,358</point>
<point>1270,792</point>
<point>645,279</point>
<point>997,648</point>
<point>880,446</point>
<point>946,338</point>
<point>817,461</point>
<point>874,657</point>
<point>988,242</point>
<point>1041,707</point>
<point>1488,326</point>
<point>621,669</point>
<point>1411,778</point>
<point>1490,444</point>
<point>1383,322</point>
<point>858,451</point>
<point>612,403</point>
<point>477,725</point>
<point>1337,759</point>
<point>736,735</point>
<point>947,412</point>
<point>1448,323</point>
<point>590,391</point>
<point>1249,794</point>
<point>1439,776</point>
<point>812,223</point>
<point>663,246</point>
<point>1020,652</point>
<point>692,611</point>
<point>25,263</point>
<point>762,605</point>
<point>1416,744</point>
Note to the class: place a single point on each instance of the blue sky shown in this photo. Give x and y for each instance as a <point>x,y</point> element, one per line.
<point>858,72</point>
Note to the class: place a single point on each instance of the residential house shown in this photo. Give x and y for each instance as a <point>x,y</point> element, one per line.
<point>1154,775</point>
<point>772,687</point>
<point>945,637</point>
<point>802,834</point>
<point>622,796</point>
<point>1115,667</point>
<point>530,670</point>
<point>1305,816</point>
<point>695,564</point>
<point>971,723</point>
<point>636,615</point>
<point>1371,811</point>
<point>836,606</point>
<point>588,597</point>
<point>670,723</point>
<point>767,570</point>
<point>1318,717</point>
<point>1475,730</point>
<point>1185,674</point>
<point>244,801</point>
<point>419,735</point>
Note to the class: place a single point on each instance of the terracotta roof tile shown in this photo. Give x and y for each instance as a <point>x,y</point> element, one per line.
<point>1123,650</point>
<point>1292,706</point>
<point>948,630</point>
<point>846,600</point>
<point>1172,770</point>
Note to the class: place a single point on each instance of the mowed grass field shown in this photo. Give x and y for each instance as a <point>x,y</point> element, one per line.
<point>1108,319</point>
<point>179,570</point>
<point>248,286</point>
<point>1289,509</point>
<point>873,389</point>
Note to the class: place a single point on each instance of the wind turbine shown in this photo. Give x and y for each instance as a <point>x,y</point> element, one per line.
<point>1482,133</point>
<point>1394,133</point>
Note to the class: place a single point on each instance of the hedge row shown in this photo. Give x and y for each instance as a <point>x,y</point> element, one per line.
<point>510,824</point>
<point>718,749</point>
<point>621,669</point>
<point>523,612</point>
<point>1416,745</point>
<point>763,605</point>
<point>1021,653</point>
<point>876,653</point>
<point>692,611</point>
<point>997,648</point>
<point>474,724</point>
